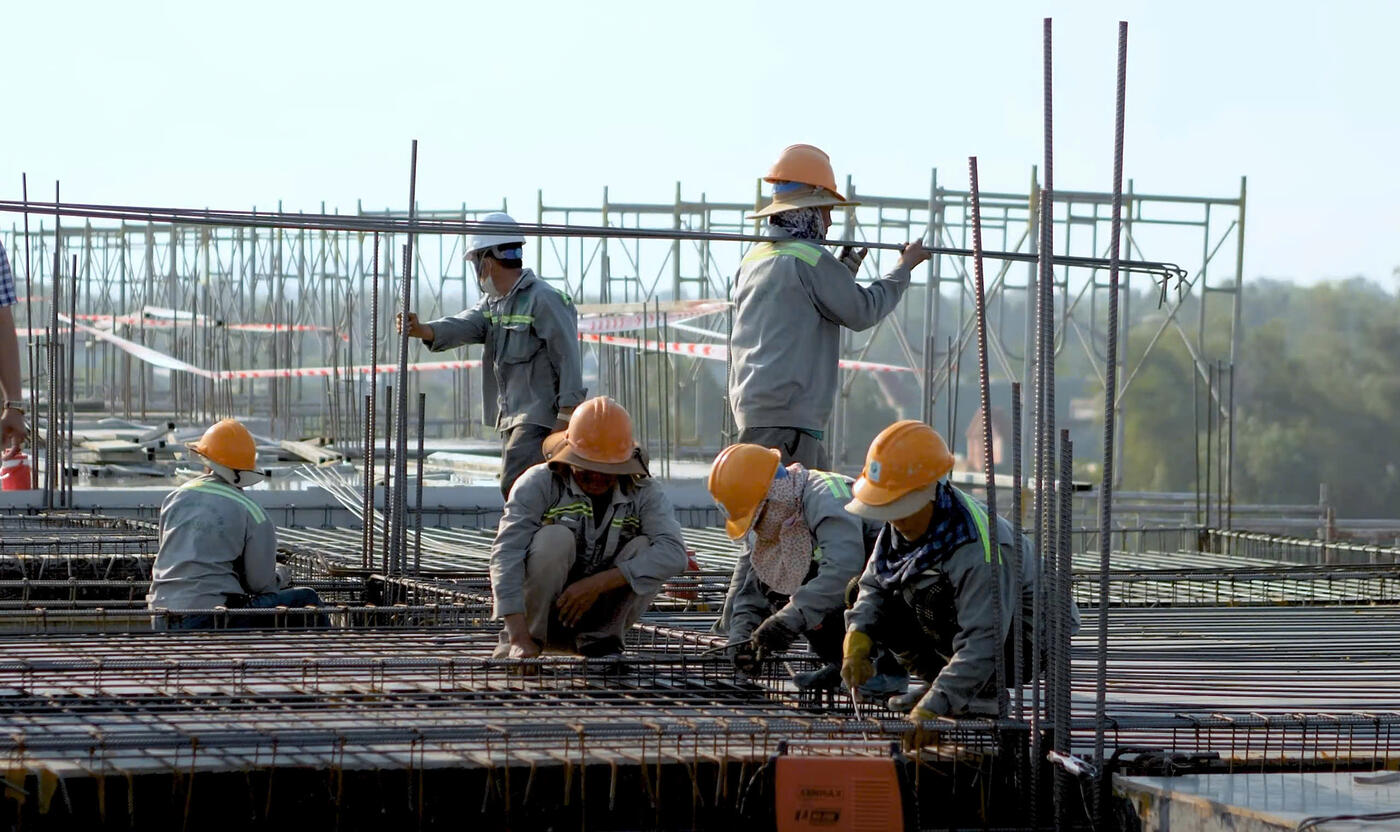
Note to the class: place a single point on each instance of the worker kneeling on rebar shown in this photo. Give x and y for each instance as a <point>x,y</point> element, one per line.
<point>930,590</point>
<point>803,550</point>
<point>586,541</point>
<point>218,548</point>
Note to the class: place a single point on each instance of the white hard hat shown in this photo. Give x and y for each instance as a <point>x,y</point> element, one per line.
<point>507,234</point>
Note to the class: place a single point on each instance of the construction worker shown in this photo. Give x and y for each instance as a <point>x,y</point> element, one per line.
<point>791,299</point>
<point>532,377</point>
<point>586,540</point>
<point>927,593</point>
<point>803,551</point>
<point>218,548</point>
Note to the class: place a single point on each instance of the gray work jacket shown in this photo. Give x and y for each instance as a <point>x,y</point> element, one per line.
<point>531,366</point>
<point>838,553</point>
<point>214,542</point>
<point>977,638</point>
<point>543,496</point>
<point>791,300</point>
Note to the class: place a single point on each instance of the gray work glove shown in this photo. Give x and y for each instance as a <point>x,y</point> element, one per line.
<point>284,576</point>
<point>851,257</point>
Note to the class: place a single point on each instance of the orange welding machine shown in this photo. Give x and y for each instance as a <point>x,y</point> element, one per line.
<point>822,793</point>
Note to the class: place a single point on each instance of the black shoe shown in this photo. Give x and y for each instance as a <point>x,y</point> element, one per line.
<point>826,677</point>
<point>602,648</point>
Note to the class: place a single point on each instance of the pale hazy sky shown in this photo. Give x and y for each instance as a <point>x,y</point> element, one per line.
<point>235,104</point>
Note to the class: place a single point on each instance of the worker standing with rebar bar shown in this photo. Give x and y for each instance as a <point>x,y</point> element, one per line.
<point>791,299</point>
<point>532,375</point>
<point>585,542</point>
<point>927,592</point>
<point>802,552</point>
<point>218,548</point>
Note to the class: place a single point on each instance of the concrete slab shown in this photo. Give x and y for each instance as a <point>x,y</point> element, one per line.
<point>1261,802</point>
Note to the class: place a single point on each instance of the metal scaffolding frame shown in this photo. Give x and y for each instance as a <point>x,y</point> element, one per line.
<point>315,285</point>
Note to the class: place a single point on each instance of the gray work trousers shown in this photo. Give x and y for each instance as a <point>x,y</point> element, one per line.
<point>522,447</point>
<point>548,564</point>
<point>793,444</point>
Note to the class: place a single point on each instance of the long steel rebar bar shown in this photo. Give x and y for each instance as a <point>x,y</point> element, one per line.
<point>414,225</point>
<point>1109,414</point>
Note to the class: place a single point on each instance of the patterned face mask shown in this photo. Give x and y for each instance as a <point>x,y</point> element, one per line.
<point>801,223</point>
<point>782,552</point>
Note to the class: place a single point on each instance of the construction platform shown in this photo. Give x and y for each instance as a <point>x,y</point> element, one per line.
<point>1280,802</point>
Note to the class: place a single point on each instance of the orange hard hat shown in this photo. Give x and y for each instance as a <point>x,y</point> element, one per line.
<point>806,164</point>
<point>739,481</point>
<point>905,461</point>
<point>599,438</point>
<point>229,444</point>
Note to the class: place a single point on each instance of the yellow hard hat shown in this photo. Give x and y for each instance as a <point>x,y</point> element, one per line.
<point>599,438</point>
<point>229,444</point>
<point>904,464</point>
<point>739,480</point>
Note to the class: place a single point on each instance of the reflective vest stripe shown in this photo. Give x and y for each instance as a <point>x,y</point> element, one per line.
<point>805,252</point>
<point>979,516</point>
<point>836,484</point>
<point>231,493</point>
<point>581,508</point>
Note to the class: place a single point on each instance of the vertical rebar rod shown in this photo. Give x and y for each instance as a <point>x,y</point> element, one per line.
<point>1196,439</point>
<point>29,320</point>
<point>1230,455</point>
<point>1110,398</point>
<point>371,431</point>
<point>55,295</point>
<point>1017,553</point>
<point>72,388</point>
<point>367,495</point>
<point>388,463</point>
<point>401,403</point>
<point>1210,434</point>
<point>418,501</point>
<point>1043,427</point>
<point>988,446</point>
<point>1063,629</point>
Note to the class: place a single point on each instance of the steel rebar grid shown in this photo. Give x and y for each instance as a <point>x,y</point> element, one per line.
<point>1110,413</point>
<point>988,448</point>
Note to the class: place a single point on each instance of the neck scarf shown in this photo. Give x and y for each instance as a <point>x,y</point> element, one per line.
<point>782,551</point>
<point>898,561</point>
<point>801,223</point>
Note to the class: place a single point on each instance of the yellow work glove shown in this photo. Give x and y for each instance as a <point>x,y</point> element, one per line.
<point>856,667</point>
<point>919,738</point>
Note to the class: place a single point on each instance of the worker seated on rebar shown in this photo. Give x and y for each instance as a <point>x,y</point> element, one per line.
<point>585,543</point>
<point>930,592</point>
<point>802,551</point>
<point>529,333</point>
<point>791,299</point>
<point>218,548</point>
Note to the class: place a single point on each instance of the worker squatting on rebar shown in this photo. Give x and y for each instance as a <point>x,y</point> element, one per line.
<point>926,593</point>
<point>218,548</point>
<point>802,554</point>
<point>791,299</point>
<point>586,541</point>
<point>529,333</point>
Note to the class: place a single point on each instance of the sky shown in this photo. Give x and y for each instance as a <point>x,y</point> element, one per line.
<point>234,105</point>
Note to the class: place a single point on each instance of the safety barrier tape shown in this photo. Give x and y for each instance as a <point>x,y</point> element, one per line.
<point>718,352</point>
